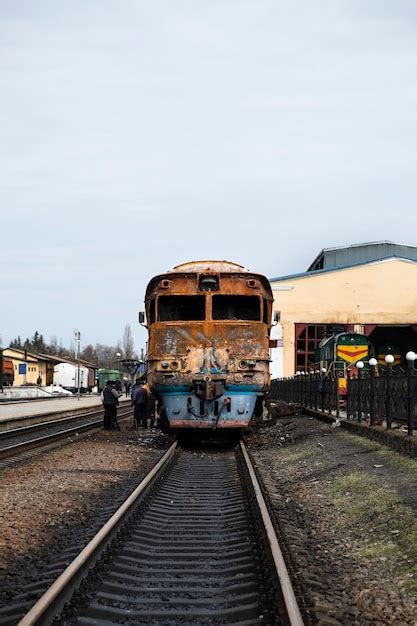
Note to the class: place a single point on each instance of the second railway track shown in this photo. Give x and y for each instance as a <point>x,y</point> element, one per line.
<point>18,442</point>
<point>192,545</point>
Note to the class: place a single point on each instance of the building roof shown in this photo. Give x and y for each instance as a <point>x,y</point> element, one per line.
<point>25,354</point>
<point>312,274</point>
<point>361,252</point>
<point>49,357</point>
<point>60,359</point>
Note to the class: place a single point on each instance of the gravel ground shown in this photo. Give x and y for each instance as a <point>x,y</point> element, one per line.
<point>51,503</point>
<point>348,507</point>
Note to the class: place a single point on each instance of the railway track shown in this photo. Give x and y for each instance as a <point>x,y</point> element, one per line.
<point>193,544</point>
<point>18,443</point>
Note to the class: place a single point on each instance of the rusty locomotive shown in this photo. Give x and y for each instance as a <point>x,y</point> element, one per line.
<point>208,348</point>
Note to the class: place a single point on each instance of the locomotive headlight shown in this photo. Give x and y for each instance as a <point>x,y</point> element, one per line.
<point>165,364</point>
<point>251,363</point>
<point>174,365</point>
<point>243,365</point>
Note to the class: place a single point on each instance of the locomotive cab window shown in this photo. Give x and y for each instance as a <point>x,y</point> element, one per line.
<point>265,316</point>
<point>152,312</point>
<point>236,308</point>
<point>181,308</point>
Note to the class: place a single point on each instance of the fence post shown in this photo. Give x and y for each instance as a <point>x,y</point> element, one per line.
<point>359,365</point>
<point>329,402</point>
<point>347,394</point>
<point>372,363</point>
<point>411,357</point>
<point>322,383</point>
<point>389,360</point>
<point>304,389</point>
<point>336,391</point>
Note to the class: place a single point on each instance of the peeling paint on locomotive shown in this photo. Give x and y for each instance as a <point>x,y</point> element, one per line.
<point>208,349</point>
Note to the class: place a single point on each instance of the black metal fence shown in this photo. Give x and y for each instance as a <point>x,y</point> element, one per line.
<point>381,398</point>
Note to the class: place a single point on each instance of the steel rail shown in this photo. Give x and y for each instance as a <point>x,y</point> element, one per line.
<point>294,614</point>
<point>24,446</point>
<point>15,432</point>
<point>52,601</point>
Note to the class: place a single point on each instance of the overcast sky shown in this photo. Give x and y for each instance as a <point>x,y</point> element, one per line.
<point>136,135</point>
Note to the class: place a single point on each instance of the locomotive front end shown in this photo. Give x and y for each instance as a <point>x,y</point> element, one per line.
<point>208,350</point>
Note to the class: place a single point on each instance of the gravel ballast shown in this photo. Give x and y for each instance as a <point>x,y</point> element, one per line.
<point>348,508</point>
<point>53,505</point>
<point>346,505</point>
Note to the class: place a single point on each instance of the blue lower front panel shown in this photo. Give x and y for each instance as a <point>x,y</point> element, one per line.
<point>231,410</point>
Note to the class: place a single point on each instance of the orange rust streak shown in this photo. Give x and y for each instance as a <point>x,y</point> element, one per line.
<point>243,338</point>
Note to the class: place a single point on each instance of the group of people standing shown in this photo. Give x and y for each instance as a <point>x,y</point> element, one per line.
<point>141,401</point>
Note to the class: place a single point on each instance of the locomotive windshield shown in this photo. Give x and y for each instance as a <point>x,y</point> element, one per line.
<point>181,308</point>
<point>236,308</point>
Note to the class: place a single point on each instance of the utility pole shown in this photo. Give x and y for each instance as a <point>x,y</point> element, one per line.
<point>77,336</point>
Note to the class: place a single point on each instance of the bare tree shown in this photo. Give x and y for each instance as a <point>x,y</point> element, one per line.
<point>89,353</point>
<point>128,342</point>
<point>53,345</point>
<point>106,356</point>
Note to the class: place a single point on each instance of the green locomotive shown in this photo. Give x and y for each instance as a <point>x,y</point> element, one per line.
<point>104,375</point>
<point>339,354</point>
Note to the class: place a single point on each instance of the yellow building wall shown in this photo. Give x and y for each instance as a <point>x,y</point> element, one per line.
<point>384,292</point>
<point>32,369</point>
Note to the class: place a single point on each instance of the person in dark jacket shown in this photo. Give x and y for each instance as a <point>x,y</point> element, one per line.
<point>110,400</point>
<point>139,401</point>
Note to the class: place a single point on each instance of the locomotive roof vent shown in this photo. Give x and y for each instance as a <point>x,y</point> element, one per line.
<point>209,283</point>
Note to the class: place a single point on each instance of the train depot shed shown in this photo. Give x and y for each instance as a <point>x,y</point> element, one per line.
<point>368,288</point>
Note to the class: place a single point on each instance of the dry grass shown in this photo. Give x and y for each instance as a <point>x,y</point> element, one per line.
<point>375,511</point>
<point>62,453</point>
<point>303,452</point>
<point>387,454</point>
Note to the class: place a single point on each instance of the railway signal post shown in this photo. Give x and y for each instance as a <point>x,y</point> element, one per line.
<point>77,336</point>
